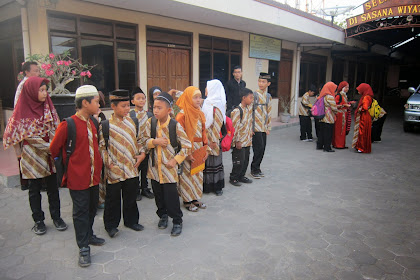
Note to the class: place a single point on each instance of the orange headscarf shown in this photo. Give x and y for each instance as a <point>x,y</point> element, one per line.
<point>328,89</point>
<point>342,85</point>
<point>192,114</point>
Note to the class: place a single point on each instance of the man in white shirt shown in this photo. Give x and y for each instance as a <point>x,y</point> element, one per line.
<point>29,69</point>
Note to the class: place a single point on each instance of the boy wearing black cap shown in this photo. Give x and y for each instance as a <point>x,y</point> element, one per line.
<point>138,99</point>
<point>122,154</point>
<point>165,157</point>
<point>261,123</point>
<point>305,117</point>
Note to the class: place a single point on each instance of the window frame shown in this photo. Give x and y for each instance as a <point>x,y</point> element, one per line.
<point>79,37</point>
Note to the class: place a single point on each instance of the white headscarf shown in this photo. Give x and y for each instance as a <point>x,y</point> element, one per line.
<point>216,97</point>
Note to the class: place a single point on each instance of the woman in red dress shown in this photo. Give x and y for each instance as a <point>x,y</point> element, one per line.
<point>363,121</point>
<point>339,136</point>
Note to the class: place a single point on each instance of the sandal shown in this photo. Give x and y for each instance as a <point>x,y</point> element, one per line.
<point>191,207</point>
<point>200,204</point>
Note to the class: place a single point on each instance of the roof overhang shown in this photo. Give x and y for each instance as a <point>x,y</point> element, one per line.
<point>253,16</point>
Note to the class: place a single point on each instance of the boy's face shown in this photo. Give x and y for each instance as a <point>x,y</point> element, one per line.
<point>248,99</point>
<point>139,100</point>
<point>311,93</point>
<point>161,109</point>
<point>93,107</point>
<point>197,100</point>
<point>121,109</point>
<point>263,84</point>
<point>237,74</point>
<point>42,93</point>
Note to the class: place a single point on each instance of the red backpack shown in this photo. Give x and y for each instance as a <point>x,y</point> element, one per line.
<point>226,134</point>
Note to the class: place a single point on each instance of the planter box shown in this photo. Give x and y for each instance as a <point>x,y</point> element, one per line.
<point>284,117</point>
<point>64,104</point>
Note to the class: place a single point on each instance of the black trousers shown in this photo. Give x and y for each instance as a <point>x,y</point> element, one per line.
<point>317,128</point>
<point>240,160</point>
<point>305,127</point>
<point>259,141</point>
<point>144,185</point>
<point>35,186</point>
<point>167,201</point>
<point>325,136</point>
<point>85,203</point>
<point>112,211</point>
<point>377,128</point>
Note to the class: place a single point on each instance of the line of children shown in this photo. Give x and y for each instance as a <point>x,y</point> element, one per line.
<point>83,170</point>
<point>30,130</point>
<point>122,153</point>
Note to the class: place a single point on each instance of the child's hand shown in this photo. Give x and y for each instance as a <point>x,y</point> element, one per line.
<point>139,159</point>
<point>268,132</point>
<point>171,164</point>
<point>238,145</point>
<point>213,145</point>
<point>191,158</point>
<point>163,142</point>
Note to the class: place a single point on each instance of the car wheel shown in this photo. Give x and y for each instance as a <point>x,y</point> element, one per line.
<point>407,127</point>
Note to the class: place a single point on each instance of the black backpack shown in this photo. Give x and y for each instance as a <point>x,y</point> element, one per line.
<point>60,165</point>
<point>241,112</point>
<point>105,128</point>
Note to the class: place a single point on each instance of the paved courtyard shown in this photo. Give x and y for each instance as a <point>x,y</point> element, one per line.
<point>314,216</point>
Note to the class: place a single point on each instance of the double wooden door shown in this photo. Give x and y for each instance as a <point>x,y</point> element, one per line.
<point>168,68</point>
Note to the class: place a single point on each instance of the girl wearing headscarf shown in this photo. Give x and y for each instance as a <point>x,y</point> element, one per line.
<point>214,108</point>
<point>153,93</point>
<point>327,123</point>
<point>30,130</point>
<point>363,121</point>
<point>339,135</point>
<point>194,123</point>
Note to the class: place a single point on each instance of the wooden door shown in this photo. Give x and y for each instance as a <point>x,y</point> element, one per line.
<point>168,68</point>
<point>285,79</point>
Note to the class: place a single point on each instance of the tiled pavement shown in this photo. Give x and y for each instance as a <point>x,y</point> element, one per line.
<point>314,216</point>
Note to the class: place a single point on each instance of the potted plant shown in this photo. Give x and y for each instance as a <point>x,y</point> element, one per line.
<point>60,70</point>
<point>285,103</point>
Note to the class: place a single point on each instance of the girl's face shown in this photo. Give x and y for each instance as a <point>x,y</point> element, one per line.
<point>346,89</point>
<point>197,100</point>
<point>156,94</point>
<point>42,93</point>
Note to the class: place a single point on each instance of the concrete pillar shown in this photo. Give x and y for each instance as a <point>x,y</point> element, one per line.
<point>195,56</point>
<point>296,66</point>
<point>328,72</point>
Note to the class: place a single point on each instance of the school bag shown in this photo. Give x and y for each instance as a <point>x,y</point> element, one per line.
<point>227,132</point>
<point>172,139</point>
<point>255,106</point>
<point>133,114</point>
<point>374,109</point>
<point>105,129</point>
<point>60,164</point>
<point>318,109</point>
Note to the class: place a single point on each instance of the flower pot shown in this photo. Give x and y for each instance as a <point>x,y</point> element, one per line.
<point>285,117</point>
<point>64,104</point>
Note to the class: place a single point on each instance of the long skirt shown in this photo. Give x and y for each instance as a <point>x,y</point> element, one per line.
<point>214,174</point>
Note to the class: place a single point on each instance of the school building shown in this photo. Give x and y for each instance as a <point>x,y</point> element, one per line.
<point>177,43</point>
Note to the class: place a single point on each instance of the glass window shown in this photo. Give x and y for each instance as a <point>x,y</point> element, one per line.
<point>100,54</point>
<point>126,55</point>
<point>221,67</point>
<point>61,44</point>
<point>205,69</point>
<point>273,70</point>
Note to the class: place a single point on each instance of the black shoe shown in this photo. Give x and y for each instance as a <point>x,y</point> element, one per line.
<point>318,148</point>
<point>136,227</point>
<point>60,224</point>
<point>219,193</point>
<point>329,151</point>
<point>245,180</point>
<point>112,232</point>
<point>255,175</point>
<point>147,193</point>
<point>84,257</point>
<point>24,187</point>
<point>261,174</point>
<point>235,183</point>
<point>176,230</point>
<point>138,197</point>
<point>163,222</point>
<point>39,228</point>
<point>96,241</point>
